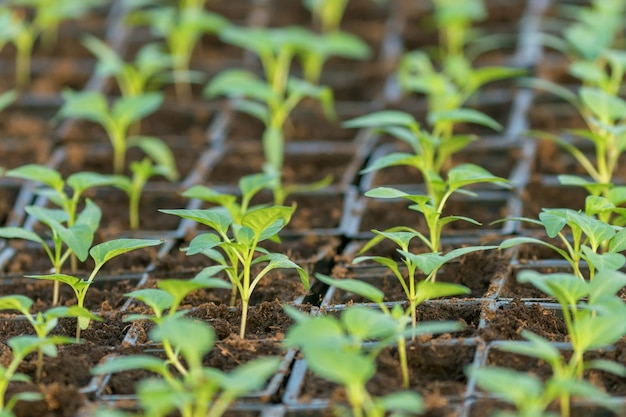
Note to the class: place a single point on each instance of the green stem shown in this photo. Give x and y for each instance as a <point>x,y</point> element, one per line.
<point>22,64</point>
<point>173,357</point>
<point>404,365</point>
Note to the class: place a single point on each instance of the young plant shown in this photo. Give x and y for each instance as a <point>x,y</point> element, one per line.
<point>43,323</point>
<point>334,349</point>
<point>427,290</point>
<point>133,78</point>
<point>21,347</point>
<point>17,30</point>
<point>168,296</point>
<point>197,390</point>
<point>431,153</point>
<point>273,99</point>
<point>100,254</point>
<point>590,239</point>
<point>159,160</point>
<point>591,325</point>
<point>528,393</point>
<point>75,230</point>
<point>234,243</point>
<point>592,45</point>
<point>181,28</point>
<point>115,119</point>
<point>49,14</point>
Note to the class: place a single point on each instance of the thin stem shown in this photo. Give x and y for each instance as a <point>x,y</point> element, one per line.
<point>173,357</point>
<point>404,366</point>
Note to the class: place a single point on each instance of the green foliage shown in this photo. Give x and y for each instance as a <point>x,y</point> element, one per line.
<point>272,99</point>
<point>116,119</point>
<point>334,350</point>
<point>22,31</point>
<point>589,239</point>
<point>235,238</point>
<point>158,160</point>
<point>181,28</point>
<point>133,78</point>
<point>197,390</point>
<point>100,254</point>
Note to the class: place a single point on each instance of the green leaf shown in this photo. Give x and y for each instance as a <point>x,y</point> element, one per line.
<point>341,367</point>
<point>17,302</point>
<point>358,287</point>
<point>604,261</point>
<point>536,347</point>
<point>250,376</point>
<point>566,288</point>
<point>605,283</point>
<point>177,331</point>
<point>517,387</point>
<point>157,300</point>
<point>129,363</point>
<point>427,262</point>
<point>38,173</point>
<point>465,116</point>
<point>466,174</point>
<point>214,218</point>
<point>430,290</point>
<point>602,104</point>
<point>82,181</point>
<point>130,109</point>
<point>89,105</point>
<point>367,324</point>
<point>106,251</point>
<point>12,232</point>
<point>159,152</point>
<point>267,221</point>
<point>203,242</point>
<point>403,401</point>
<point>78,284</point>
<point>382,119</point>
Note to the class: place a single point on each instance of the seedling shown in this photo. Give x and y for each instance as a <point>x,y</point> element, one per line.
<point>181,28</point>
<point>197,391</point>
<point>101,254</point>
<point>168,296</point>
<point>21,347</point>
<point>531,396</point>
<point>591,325</point>
<point>43,323</point>
<point>133,78</point>
<point>431,153</point>
<point>49,14</point>
<point>234,243</point>
<point>68,227</point>
<point>115,120</point>
<point>590,239</point>
<point>273,99</point>
<point>334,349</point>
<point>159,160</point>
<point>22,34</point>
<point>315,50</point>
<point>426,291</point>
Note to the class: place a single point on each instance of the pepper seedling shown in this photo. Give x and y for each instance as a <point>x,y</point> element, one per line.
<point>335,350</point>
<point>116,119</point>
<point>426,290</point>
<point>591,325</point>
<point>198,390</point>
<point>181,29</point>
<point>273,99</point>
<point>43,323</point>
<point>159,160</point>
<point>133,78</point>
<point>528,393</point>
<point>100,254</point>
<point>167,296</point>
<point>21,347</point>
<point>234,241</point>
<point>66,228</point>
<point>590,239</point>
